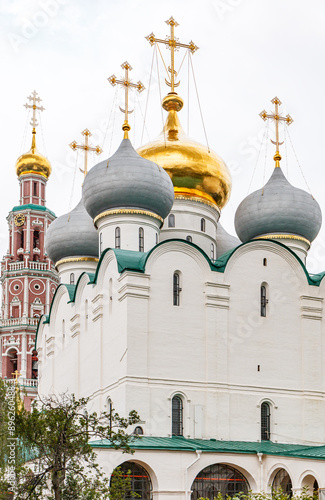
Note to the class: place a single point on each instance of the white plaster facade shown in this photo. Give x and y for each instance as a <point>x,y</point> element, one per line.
<point>120,337</point>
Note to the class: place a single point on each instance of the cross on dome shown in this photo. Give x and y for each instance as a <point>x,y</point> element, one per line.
<point>34,98</point>
<point>173,44</point>
<point>277,118</point>
<point>85,147</point>
<point>127,84</point>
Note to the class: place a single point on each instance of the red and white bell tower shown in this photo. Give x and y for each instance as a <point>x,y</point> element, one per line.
<point>28,277</point>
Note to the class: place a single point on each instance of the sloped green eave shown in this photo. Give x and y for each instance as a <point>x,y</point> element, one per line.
<point>214,446</point>
<point>32,206</point>
<point>70,290</point>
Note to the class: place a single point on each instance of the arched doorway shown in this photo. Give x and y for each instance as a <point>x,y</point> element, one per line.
<point>282,480</point>
<point>218,478</point>
<point>140,480</point>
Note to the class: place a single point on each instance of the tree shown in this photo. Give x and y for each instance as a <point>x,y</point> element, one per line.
<point>62,464</point>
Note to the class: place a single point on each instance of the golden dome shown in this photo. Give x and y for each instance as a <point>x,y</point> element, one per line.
<point>33,162</point>
<point>195,171</point>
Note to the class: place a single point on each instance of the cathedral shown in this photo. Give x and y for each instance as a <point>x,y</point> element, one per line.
<point>216,341</point>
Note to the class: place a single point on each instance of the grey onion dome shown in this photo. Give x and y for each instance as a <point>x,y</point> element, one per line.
<point>72,235</point>
<point>225,241</point>
<point>278,208</point>
<point>127,180</point>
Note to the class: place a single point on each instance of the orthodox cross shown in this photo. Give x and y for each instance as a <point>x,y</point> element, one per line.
<point>34,99</point>
<point>277,118</point>
<point>173,44</point>
<point>16,375</point>
<point>85,147</point>
<point>127,84</point>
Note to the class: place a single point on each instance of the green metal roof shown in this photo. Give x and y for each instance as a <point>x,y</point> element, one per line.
<point>215,446</point>
<point>32,206</point>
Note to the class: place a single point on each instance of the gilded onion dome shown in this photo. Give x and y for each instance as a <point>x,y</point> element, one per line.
<point>33,162</point>
<point>72,235</point>
<point>195,171</point>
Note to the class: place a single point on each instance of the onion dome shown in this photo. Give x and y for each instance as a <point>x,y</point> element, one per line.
<point>72,235</point>
<point>195,171</point>
<point>128,181</point>
<point>278,209</point>
<point>225,241</point>
<point>33,162</point>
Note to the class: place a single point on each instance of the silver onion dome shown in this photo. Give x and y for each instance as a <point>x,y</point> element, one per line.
<point>225,241</point>
<point>72,235</point>
<point>278,208</point>
<point>127,180</point>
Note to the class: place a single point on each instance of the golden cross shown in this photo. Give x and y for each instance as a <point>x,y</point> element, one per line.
<point>85,147</point>
<point>277,118</point>
<point>34,99</point>
<point>173,44</point>
<point>127,84</point>
<point>16,374</point>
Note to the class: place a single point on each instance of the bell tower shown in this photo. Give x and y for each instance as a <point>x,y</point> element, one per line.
<point>28,277</point>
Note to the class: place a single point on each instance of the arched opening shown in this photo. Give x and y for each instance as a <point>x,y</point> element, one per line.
<point>139,479</point>
<point>265,421</point>
<point>141,239</point>
<point>282,480</point>
<point>138,431</point>
<point>110,409</point>
<point>171,220</point>
<point>264,262</point>
<point>72,279</point>
<point>310,482</point>
<point>189,238</point>
<point>177,416</point>
<point>34,365</point>
<point>176,289</point>
<point>203,225</point>
<point>212,251</point>
<point>12,363</point>
<point>117,237</point>
<point>219,478</point>
<point>264,301</point>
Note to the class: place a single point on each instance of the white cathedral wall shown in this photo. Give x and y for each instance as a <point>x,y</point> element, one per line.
<point>140,350</point>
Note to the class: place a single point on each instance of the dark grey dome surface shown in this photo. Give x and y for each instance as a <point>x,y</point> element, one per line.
<point>127,180</point>
<point>72,235</point>
<point>278,208</point>
<point>225,241</point>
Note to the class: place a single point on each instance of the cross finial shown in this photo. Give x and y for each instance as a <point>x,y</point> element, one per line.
<point>34,98</point>
<point>173,44</point>
<point>85,147</point>
<point>16,375</point>
<point>127,84</point>
<point>277,118</point>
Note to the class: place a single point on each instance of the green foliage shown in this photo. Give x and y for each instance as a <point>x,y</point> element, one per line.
<point>276,494</point>
<point>54,439</point>
<point>121,485</point>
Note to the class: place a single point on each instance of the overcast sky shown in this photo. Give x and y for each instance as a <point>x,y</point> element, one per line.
<point>249,52</point>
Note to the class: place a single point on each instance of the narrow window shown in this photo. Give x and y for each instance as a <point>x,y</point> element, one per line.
<point>110,411</point>
<point>176,289</point>
<point>212,251</point>
<point>171,220</point>
<point>141,239</point>
<point>117,237</point>
<point>177,416</point>
<point>203,225</point>
<point>264,262</point>
<point>100,243</point>
<point>264,301</point>
<point>265,422</point>
<point>156,238</point>
<point>138,431</point>
<point>34,189</point>
<point>189,238</point>
<point>71,278</point>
